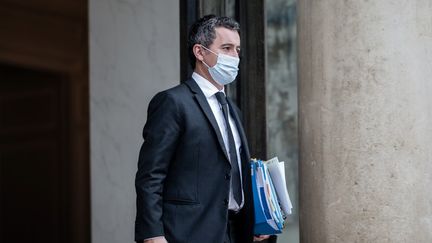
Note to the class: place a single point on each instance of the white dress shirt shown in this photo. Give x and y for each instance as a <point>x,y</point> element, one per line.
<point>209,91</point>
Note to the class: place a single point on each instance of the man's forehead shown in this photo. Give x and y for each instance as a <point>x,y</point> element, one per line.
<point>227,36</point>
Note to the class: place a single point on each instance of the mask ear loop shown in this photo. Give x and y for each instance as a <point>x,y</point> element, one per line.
<point>205,64</point>
<point>209,51</point>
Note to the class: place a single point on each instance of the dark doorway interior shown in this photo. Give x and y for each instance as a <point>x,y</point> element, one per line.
<point>33,156</point>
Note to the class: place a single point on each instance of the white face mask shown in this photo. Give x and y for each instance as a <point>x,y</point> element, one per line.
<point>226,68</point>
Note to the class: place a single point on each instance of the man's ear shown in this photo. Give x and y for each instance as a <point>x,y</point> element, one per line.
<point>198,52</point>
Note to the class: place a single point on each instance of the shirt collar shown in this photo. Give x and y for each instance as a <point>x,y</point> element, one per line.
<point>206,87</point>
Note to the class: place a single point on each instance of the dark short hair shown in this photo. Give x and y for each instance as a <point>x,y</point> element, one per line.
<point>203,32</point>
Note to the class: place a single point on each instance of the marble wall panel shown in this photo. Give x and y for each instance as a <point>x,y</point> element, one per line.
<point>134,53</point>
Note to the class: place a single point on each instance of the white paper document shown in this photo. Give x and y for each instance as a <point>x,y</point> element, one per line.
<point>277,174</point>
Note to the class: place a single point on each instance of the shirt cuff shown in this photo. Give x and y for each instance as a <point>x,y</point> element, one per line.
<point>153,238</point>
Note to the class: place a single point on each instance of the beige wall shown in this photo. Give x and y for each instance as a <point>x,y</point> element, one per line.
<point>134,53</point>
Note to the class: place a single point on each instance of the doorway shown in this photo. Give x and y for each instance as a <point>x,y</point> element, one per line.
<point>44,125</point>
<point>34,187</point>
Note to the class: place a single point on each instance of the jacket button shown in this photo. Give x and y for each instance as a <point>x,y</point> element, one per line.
<point>225,201</point>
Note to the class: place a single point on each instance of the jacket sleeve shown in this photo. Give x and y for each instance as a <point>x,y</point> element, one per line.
<point>161,134</point>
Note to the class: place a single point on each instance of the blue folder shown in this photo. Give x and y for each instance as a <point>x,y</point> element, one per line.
<point>267,221</point>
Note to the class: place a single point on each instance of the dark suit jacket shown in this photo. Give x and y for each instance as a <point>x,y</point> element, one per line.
<point>183,176</point>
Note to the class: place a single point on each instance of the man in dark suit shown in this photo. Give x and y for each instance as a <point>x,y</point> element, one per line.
<point>193,182</point>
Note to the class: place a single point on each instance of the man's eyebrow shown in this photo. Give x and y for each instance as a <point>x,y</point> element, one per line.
<point>229,44</point>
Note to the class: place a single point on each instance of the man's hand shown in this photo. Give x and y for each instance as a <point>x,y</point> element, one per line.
<point>159,239</point>
<point>261,237</point>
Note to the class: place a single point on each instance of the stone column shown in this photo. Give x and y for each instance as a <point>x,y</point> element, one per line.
<point>365,117</point>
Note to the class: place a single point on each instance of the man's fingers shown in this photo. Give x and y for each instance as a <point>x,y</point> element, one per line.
<point>261,237</point>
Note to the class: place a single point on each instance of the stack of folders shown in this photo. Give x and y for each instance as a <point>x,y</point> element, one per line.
<point>271,199</point>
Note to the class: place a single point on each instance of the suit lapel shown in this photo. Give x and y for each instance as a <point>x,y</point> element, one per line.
<point>205,107</point>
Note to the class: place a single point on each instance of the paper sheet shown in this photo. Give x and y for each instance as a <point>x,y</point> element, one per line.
<point>277,174</point>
